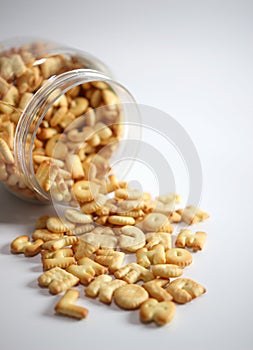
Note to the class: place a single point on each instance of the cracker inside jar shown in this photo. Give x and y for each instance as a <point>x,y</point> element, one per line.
<point>70,122</point>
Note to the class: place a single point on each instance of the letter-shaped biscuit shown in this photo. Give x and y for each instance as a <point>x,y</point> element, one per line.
<point>184,290</point>
<point>156,222</point>
<point>56,244</point>
<point>81,229</point>
<point>43,175</point>
<point>130,296</point>
<point>94,287</point>
<point>123,193</point>
<point>86,270</point>
<point>77,217</point>
<point>84,248</point>
<point>46,235</point>
<point>85,191</point>
<point>97,203</point>
<point>187,239</point>
<point>129,205</point>
<point>23,245</point>
<point>156,255</point>
<point>57,280</point>
<point>136,214</point>
<point>41,222</point>
<point>178,256</point>
<point>166,270</point>
<point>66,305</point>
<point>131,239</point>
<point>133,273</point>
<point>167,210</point>
<point>121,220</point>
<point>155,289</point>
<point>6,152</point>
<point>61,258</point>
<point>103,287</point>
<point>110,258</point>
<point>192,215</point>
<point>169,198</point>
<point>90,242</point>
<point>78,106</point>
<point>159,312</point>
<point>3,171</point>
<point>154,238</point>
<point>55,224</point>
<point>74,165</point>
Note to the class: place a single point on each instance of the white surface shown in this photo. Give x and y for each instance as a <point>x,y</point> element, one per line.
<point>192,59</point>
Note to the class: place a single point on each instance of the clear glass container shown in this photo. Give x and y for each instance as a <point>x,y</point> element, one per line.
<point>62,117</point>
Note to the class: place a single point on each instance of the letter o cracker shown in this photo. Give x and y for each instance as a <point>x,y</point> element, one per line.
<point>156,222</point>
<point>130,296</point>
<point>178,256</point>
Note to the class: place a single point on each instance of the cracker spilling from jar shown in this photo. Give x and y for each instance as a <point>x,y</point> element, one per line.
<point>105,221</point>
<point>91,247</point>
<point>78,134</point>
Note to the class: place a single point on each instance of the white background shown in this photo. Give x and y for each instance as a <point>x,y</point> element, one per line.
<point>193,60</point>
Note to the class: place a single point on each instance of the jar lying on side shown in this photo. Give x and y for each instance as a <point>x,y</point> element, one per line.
<point>61,118</point>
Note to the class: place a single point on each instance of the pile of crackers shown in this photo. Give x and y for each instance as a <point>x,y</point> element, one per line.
<point>121,249</point>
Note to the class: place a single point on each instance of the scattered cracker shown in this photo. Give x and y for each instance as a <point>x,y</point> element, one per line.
<point>178,256</point>
<point>90,242</point>
<point>56,244</point>
<point>188,239</point>
<point>110,258</point>
<point>132,273</point>
<point>104,288</point>
<point>192,215</point>
<point>94,205</point>
<point>154,238</point>
<point>159,312</point>
<point>41,222</point>
<point>121,220</point>
<point>184,290</point>
<point>57,280</point>
<point>77,217</point>
<point>46,235</point>
<point>66,305</point>
<point>86,270</point>
<point>23,245</point>
<point>166,270</point>
<point>130,296</point>
<point>156,222</point>
<point>61,258</point>
<point>57,225</point>
<point>155,289</point>
<point>156,255</point>
<point>131,239</point>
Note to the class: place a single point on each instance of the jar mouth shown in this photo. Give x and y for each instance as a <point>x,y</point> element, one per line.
<point>44,99</point>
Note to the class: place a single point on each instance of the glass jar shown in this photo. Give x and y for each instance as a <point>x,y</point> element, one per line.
<point>61,119</point>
